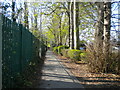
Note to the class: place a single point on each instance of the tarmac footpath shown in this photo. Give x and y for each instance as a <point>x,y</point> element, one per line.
<point>56,76</point>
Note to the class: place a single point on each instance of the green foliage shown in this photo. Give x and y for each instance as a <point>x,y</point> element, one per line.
<point>35,15</point>
<point>83,56</point>
<point>59,48</point>
<point>62,47</point>
<point>57,24</point>
<point>74,54</point>
<point>27,83</point>
<point>83,41</point>
<point>65,52</point>
<point>32,64</point>
<point>55,49</point>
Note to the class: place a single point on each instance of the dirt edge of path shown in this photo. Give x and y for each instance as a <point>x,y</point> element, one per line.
<point>90,80</point>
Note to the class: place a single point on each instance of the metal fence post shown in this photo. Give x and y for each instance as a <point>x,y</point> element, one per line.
<point>0,51</point>
<point>21,57</point>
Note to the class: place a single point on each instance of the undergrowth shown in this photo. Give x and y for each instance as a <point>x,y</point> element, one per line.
<point>26,79</point>
<point>97,61</point>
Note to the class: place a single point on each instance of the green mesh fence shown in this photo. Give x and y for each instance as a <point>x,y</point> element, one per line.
<point>19,48</point>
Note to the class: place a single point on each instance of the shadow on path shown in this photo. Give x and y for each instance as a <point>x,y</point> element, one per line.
<point>54,75</point>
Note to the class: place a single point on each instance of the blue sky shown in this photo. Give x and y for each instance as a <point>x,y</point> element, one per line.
<point>115,22</point>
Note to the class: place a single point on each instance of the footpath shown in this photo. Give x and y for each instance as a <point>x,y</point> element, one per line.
<point>55,75</point>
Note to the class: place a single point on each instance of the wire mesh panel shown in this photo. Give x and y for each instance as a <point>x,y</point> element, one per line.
<point>19,48</point>
<point>26,47</point>
<point>6,52</point>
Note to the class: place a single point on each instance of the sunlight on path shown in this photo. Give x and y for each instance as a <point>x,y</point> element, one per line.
<point>55,76</point>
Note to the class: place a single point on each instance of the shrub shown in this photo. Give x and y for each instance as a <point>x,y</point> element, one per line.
<point>114,63</point>
<point>97,61</point>
<point>66,47</point>
<point>55,49</point>
<point>62,47</point>
<point>83,55</point>
<point>74,54</point>
<point>59,49</point>
<point>65,52</point>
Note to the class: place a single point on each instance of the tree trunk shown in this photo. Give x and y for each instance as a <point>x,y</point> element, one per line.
<point>69,23</point>
<point>76,25</point>
<point>99,26</point>
<point>98,43</point>
<point>35,20</point>
<point>119,41</point>
<point>13,11</point>
<point>60,31</point>
<point>71,27</point>
<point>26,15</point>
<point>107,25</point>
<point>20,16</point>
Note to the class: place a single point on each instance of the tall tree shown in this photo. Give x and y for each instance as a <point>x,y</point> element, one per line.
<point>107,26</point>
<point>60,36</point>
<point>119,40</point>
<point>76,25</point>
<point>99,25</point>
<point>26,15</point>
<point>20,14</point>
<point>13,11</point>
<point>68,13</point>
<point>71,26</point>
<point>98,43</point>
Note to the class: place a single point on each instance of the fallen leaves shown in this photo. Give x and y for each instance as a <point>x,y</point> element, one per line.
<point>91,80</point>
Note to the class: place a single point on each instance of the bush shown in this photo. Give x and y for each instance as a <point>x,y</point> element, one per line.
<point>62,47</point>
<point>95,59</point>
<point>83,55</point>
<point>59,48</point>
<point>65,52</point>
<point>114,63</point>
<point>74,54</point>
<point>98,63</point>
<point>55,49</point>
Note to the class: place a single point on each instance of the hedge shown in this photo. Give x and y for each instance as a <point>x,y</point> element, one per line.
<point>74,54</point>
<point>55,49</point>
<point>59,48</point>
<point>65,52</point>
<point>83,55</point>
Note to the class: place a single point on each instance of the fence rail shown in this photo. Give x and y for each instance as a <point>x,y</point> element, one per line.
<point>19,47</point>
